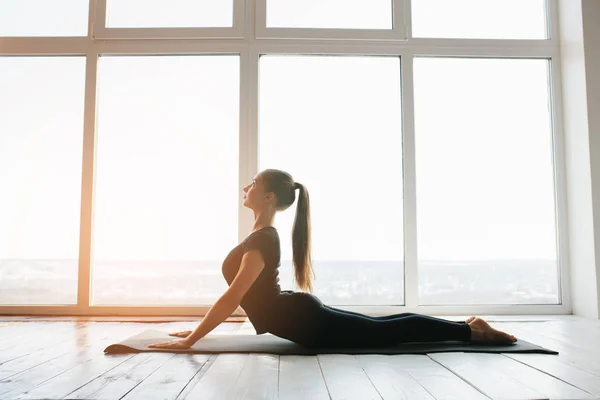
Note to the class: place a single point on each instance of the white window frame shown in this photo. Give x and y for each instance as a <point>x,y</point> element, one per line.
<point>101,31</point>
<point>398,31</point>
<point>250,48</point>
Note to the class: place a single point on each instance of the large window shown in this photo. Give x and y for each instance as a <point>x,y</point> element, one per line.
<point>363,14</point>
<point>168,14</point>
<point>166,178</point>
<point>44,17</point>
<point>424,131</point>
<point>485,182</point>
<point>479,19</point>
<point>41,118</point>
<point>344,115</point>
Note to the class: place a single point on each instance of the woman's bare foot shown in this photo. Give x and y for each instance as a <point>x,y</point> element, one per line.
<point>482,332</point>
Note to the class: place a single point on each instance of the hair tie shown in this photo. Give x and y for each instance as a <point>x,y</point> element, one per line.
<point>296,185</point>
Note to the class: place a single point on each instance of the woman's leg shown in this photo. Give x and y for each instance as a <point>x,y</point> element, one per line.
<point>381,318</point>
<point>345,329</point>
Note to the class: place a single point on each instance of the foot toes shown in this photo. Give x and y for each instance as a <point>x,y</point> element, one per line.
<point>508,337</point>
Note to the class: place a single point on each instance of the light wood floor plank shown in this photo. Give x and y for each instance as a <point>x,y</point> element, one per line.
<point>79,365</point>
<point>190,386</point>
<point>539,381</point>
<point>259,378</point>
<point>300,378</point>
<point>574,334</point>
<point>56,370</point>
<point>169,380</point>
<point>87,333</point>
<point>68,360</point>
<point>29,340</point>
<point>390,378</point>
<point>345,378</point>
<point>552,366</point>
<point>218,380</point>
<point>35,356</point>
<point>440,382</point>
<point>487,378</point>
<point>568,354</point>
<point>117,382</point>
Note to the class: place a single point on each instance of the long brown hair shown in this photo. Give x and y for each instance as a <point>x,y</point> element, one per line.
<point>283,185</point>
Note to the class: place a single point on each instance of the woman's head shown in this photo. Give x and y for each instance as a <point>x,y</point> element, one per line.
<point>270,189</point>
<point>274,190</point>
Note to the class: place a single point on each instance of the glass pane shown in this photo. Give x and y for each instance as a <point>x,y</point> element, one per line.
<point>43,18</point>
<point>479,19</point>
<point>41,139</point>
<point>485,182</point>
<point>167,178</point>
<point>331,14</point>
<point>334,123</point>
<point>169,14</point>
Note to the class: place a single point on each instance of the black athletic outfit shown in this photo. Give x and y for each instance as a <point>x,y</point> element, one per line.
<point>302,318</point>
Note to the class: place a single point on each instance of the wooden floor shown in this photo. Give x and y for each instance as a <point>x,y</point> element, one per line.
<point>63,358</point>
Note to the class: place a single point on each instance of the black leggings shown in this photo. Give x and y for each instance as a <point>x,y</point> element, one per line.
<point>303,318</point>
<point>341,328</point>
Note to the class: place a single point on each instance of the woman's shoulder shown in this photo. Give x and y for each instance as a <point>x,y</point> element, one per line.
<point>267,232</point>
<point>263,238</point>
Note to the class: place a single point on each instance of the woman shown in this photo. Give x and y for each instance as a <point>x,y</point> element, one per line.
<point>251,270</point>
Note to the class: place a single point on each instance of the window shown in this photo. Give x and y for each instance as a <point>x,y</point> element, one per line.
<point>337,127</point>
<point>331,19</point>
<point>166,178</point>
<point>485,182</point>
<point>41,132</point>
<point>43,17</point>
<point>479,19</point>
<point>428,133</point>
<point>177,19</point>
<point>357,14</point>
<point>169,14</point>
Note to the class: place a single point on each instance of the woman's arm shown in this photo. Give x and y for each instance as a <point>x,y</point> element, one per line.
<point>218,313</point>
<point>251,266</point>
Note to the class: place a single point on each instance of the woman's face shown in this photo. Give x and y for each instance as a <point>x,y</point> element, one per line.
<point>252,191</point>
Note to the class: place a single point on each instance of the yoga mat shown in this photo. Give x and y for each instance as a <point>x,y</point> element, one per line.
<point>268,343</point>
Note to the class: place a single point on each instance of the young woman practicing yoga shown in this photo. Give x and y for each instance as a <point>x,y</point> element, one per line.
<point>251,270</point>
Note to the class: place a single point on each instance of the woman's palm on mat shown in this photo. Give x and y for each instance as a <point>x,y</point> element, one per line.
<point>182,334</point>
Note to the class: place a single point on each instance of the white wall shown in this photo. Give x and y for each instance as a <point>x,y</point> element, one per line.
<point>591,35</point>
<point>579,25</point>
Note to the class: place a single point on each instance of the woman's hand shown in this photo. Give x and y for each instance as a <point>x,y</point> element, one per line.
<point>182,334</point>
<point>178,344</point>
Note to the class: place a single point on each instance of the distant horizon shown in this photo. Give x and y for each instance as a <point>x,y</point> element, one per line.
<point>331,260</point>
<point>353,282</point>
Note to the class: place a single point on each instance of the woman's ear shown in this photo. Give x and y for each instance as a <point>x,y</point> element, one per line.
<point>270,196</point>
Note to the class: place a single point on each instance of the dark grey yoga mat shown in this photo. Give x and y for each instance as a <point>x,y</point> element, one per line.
<point>268,343</point>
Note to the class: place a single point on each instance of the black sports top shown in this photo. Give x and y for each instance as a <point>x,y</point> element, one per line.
<point>261,298</point>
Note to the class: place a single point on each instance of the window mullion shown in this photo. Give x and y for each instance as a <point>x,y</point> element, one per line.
<point>87,183</point>
<point>560,173</point>
<point>552,20</point>
<point>248,134</point>
<point>411,289</point>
